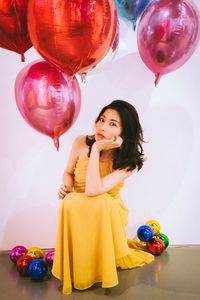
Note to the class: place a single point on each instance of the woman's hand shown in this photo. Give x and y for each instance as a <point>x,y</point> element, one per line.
<point>107,144</point>
<point>63,191</point>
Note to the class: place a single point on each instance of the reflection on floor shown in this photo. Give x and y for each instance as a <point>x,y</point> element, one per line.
<point>175,275</point>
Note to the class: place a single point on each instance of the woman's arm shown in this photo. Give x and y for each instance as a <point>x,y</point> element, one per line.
<point>68,176</point>
<point>96,185</point>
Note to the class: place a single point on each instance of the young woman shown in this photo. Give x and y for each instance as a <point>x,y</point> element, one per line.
<point>91,241</point>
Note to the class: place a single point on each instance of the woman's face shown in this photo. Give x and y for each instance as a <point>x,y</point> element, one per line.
<point>109,125</point>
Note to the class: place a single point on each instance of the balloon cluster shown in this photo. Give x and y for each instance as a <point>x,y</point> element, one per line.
<point>73,37</point>
<point>151,237</point>
<point>168,31</point>
<point>32,262</point>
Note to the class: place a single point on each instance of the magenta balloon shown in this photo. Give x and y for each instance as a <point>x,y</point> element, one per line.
<point>17,252</point>
<point>49,258</point>
<point>48,99</point>
<point>168,34</point>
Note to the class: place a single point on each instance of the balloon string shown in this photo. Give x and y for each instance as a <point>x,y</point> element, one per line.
<point>56,142</point>
<point>157,78</point>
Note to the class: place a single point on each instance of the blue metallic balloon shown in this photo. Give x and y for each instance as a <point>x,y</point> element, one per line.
<point>145,233</point>
<point>37,269</point>
<point>131,9</point>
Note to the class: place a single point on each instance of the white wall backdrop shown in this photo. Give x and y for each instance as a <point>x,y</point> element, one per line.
<point>166,189</point>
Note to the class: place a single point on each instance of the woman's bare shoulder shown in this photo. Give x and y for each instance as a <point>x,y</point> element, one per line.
<point>80,146</point>
<point>77,144</point>
<point>80,140</point>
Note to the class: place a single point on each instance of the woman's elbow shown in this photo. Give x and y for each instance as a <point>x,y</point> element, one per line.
<point>92,192</point>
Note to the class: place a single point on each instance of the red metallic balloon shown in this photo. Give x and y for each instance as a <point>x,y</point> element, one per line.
<point>107,60</point>
<point>73,35</point>
<point>156,246</point>
<point>13,26</point>
<point>48,99</point>
<point>168,34</point>
<point>23,264</point>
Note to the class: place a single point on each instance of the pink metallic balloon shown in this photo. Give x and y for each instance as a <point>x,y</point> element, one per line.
<point>17,252</point>
<point>49,258</point>
<point>48,99</point>
<point>13,26</point>
<point>168,34</point>
<point>73,35</point>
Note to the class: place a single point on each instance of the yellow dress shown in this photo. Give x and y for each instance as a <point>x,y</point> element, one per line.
<point>91,239</point>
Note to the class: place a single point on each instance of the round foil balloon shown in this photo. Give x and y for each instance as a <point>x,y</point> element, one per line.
<point>168,33</point>
<point>13,26</point>
<point>156,246</point>
<point>73,35</point>
<point>106,61</point>
<point>35,252</point>
<point>164,238</point>
<point>145,233</point>
<point>37,269</point>
<point>48,99</point>
<point>154,225</point>
<point>17,252</point>
<point>23,264</point>
<point>49,258</point>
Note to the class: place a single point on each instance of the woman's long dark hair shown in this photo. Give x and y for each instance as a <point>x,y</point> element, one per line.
<point>130,155</point>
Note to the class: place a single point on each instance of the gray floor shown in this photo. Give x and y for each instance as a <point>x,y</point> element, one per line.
<point>175,275</point>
